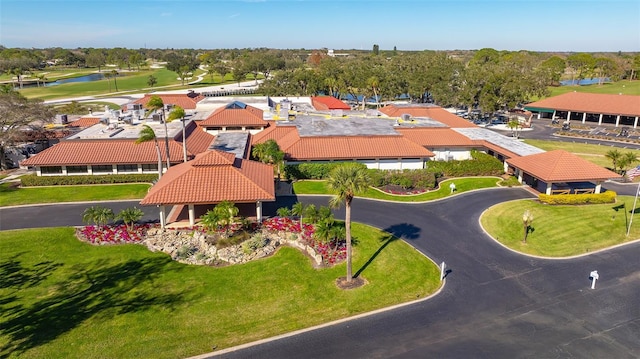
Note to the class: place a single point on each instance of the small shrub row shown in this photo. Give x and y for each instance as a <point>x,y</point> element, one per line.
<point>33,180</point>
<point>407,179</point>
<point>311,170</point>
<point>480,164</point>
<point>576,199</point>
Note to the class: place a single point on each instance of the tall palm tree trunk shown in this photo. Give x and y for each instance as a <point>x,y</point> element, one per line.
<point>159,159</point>
<point>166,138</point>
<point>184,141</point>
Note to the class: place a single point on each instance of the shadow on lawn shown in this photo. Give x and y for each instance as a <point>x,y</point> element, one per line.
<point>87,290</point>
<point>397,231</point>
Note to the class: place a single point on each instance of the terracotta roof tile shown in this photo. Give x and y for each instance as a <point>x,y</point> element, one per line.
<point>436,137</point>
<point>84,122</point>
<point>561,166</point>
<point>354,147</point>
<point>195,182</point>
<point>198,140</point>
<point>232,116</point>
<point>186,101</point>
<point>626,105</point>
<point>434,112</point>
<point>324,103</point>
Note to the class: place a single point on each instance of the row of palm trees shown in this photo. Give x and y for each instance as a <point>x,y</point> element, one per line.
<point>621,161</point>
<point>101,216</point>
<point>148,134</point>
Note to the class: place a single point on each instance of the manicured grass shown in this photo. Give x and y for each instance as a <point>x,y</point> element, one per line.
<point>589,152</point>
<point>624,87</point>
<point>61,298</point>
<point>559,231</point>
<point>462,185</point>
<point>32,195</point>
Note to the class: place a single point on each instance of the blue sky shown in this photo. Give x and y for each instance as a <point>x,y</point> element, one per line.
<point>538,25</point>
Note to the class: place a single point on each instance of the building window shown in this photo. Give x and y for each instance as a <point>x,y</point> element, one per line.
<point>149,168</point>
<point>127,168</point>
<point>51,170</point>
<point>102,168</point>
<point>234,128</point>
<point>77,169</point>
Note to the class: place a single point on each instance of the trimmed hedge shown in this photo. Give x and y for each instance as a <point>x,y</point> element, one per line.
<point>583,198</point>
<point>406,179</point>
<point>312,170</point>
<point>481,164</point>
<point>33,180</point>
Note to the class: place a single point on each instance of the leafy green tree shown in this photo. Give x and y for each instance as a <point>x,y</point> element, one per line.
<point>298,209</point>
<point>96,58</point>
<point>130,216</point>
<point>152,81</point>
<point>552,69</point>
<point>346,181</point>
<point>615,156</point>
<point>98,215</point>
<point>75,108</point>
<point>514,125</point>
<point>283,212</point>
<point>582,65</point>
<point>209,221</point>
<point>17,113</point>
<point>155,103</point>
<point>176,113</point>
<point>147,134</point>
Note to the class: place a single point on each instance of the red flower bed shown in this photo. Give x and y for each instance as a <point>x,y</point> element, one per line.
<point>114,234</point>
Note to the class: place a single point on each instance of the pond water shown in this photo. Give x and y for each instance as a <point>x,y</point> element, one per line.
<point>85,78</point>
<point>592,81</point>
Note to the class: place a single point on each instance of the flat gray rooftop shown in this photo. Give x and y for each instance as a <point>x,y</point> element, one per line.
<point>122,130</point>
<point>234,142</point>
<point>509,143</point>
<point>354,125</point>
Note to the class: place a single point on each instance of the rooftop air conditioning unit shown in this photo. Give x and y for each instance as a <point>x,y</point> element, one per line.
<point>157,117</point>
<point>137,106</point>
<point>406,117</point>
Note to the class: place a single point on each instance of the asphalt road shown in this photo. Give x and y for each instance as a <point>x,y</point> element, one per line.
<point>496,303</point>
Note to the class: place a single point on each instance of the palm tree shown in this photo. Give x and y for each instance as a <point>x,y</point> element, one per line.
<point>115,74</point>
<point>374,83</point>
<point>147,134</point>
<point>346,181</point>
<point>155,103</point>
<point>514,125</point>
<point>98,215</point>
<point>283,212</point>
<point>225,212</point>
<point>615,156</point>
<point>269,152</point>
<point>177,112</point>
<point>298,209</point>
<point>628,159</point>
<point>209,221</point>
<point>129,216</point>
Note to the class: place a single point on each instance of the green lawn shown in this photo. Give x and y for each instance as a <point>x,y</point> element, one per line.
<point>61,298</point>
<point>462,185</point>
<point>54,194</point>
<point>624,87</point>
<point>589,152</point>
<point>559,231</point>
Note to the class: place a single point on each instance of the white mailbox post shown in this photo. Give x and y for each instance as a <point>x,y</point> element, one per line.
<point>594,277</point>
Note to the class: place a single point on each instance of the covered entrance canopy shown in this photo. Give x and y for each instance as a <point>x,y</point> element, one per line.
<point>560,171</point>
<point>212,177</point>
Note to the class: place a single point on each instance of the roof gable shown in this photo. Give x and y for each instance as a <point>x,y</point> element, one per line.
<point>235,114</point>
<point>561,166</point>
<point>323,103</point>
<point>626,105</point>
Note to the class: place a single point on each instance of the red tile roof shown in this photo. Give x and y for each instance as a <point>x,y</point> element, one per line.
<point>324,103</point>
<point>116,151</point>
<point>232,116</point>
<point>434,112</point>
<point>436,137</point>
<point>561,166</point>
<point>213,177</point>
<point>625,105</point>
<point>84,122</point>
<point>186,101</point>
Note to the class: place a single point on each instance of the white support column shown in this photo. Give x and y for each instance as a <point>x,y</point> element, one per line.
<point>64,170</point>
<point>600,120</point>
<point>617,120</point>
<point>569,116</point>
<point>505,166</point>
<point>584,117</point>
<point>90,170</point>
<point>635,123</point>
<point>163,218</point>
<point>554,114</point>
<point>549,187</point>
<point>520,179</point>
<point>598,187</point>
<point>259,211</point>
<point>192,215</point>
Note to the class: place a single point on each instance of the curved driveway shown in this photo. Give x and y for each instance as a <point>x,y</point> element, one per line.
<point>496,303</point>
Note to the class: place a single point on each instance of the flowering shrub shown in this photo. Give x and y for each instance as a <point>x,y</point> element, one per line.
<point>331,253</point>
<point>114,234</point>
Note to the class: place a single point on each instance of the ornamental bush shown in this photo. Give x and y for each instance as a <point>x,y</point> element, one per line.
<point>480,164</point>
<point>311,170</point>
<point>33,180</point>
<point>577,199</point>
